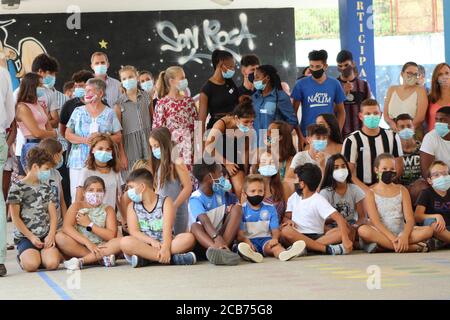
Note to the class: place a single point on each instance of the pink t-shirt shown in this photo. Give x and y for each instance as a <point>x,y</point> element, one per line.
<point>39,115</point>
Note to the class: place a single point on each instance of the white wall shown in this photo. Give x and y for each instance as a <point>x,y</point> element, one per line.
<point>395,50</point>
<point>54,6</point>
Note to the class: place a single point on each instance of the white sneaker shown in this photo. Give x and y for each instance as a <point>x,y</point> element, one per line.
<point>127,258</point>
<point>293,251</point>
<point>246,252</point>
<point>72,264</point>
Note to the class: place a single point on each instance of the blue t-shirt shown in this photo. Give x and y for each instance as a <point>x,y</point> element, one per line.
<point>317,98</point>
<point>200,203</point>
<point>259,223</point>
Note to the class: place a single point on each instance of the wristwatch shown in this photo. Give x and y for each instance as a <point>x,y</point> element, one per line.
<point>89,227</point>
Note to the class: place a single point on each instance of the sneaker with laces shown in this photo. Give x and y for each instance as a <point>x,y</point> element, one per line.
<point>297,248</point>
<point>73,264</point>
<point>184,259</point>
<point>246,252</point>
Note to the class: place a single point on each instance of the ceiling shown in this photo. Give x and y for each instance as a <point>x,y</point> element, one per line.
<point>54,6</point>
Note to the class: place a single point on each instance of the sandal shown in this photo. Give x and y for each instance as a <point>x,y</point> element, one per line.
<point>423,247</point>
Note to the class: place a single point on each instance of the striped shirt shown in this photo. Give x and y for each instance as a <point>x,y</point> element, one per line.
<point>113,91</point>
<point>59,98</point>
<point>361,150</point>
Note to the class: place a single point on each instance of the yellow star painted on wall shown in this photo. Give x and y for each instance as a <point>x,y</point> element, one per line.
<point>103,44</point>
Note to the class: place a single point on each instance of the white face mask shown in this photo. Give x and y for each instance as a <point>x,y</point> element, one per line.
<point>340,175</point>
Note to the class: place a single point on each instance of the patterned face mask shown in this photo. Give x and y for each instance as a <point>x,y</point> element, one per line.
<point>94,198</point>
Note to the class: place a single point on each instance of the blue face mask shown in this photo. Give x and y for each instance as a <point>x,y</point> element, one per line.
<point>441,129</point>
<point>319,145</point>
<point>134,196</point>
<point>100,69</point>
<point>259,85</point>
<point>129,84</point>
<point>442,183</point>
<point>268,171</point>
<point>243,128</point>
<point>223,185</point>
<point>49,81</point>
<point>103,156</point>
<point>79,92</point>
<point>228,74</point>
<point>183,84</point>
<point>156,153</point>
<point>372,121</point>
<point>147,85</point>
<point>43,175</point>
<point>40,92</point>
<point>406,133</point>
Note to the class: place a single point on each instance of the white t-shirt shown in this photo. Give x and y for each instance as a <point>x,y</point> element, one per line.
<point>303,157</point>
<point>310,214</point>
<point>434,145</point>
<point>113,182</point>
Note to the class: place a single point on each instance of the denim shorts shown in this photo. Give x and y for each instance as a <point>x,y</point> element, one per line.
<point>259,243</point>
<point>25,244</point>
<point>430,221</point>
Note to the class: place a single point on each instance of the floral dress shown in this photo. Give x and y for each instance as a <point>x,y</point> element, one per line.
<point>82,124</point>
<point>179,117</point>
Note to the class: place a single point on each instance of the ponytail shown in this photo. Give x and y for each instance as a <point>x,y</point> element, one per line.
<point>245,108</point>
<point>161,88</point>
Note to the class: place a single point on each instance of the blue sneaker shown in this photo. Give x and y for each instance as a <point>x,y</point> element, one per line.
<point>336,249</point>
<point>183,259</point>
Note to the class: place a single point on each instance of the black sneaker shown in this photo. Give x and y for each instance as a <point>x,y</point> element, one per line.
<point>2,270</point>
<point>222,257</point>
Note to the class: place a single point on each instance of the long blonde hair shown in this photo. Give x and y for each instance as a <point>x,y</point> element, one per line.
<point>163,87</point>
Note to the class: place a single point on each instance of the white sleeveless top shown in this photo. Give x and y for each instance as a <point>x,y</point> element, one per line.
<point>398,106</point>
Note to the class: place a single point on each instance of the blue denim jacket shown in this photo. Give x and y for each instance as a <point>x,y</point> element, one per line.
<point>267,109</point>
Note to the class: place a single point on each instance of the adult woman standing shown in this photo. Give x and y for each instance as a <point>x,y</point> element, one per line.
<point>176,112</point>
<point>133,111</point>
<point>440,92</point>
<point>32,119</point>
<point>219,95</point>
<point>407,98</point>
<point>270,101</point>
<point>87,122</point>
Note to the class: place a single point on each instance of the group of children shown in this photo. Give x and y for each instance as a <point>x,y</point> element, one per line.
<point>156,217</point>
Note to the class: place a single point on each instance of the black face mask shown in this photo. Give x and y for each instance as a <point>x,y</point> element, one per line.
<point>317,73</point>
<point>255,200</point>
<point>388,176</point>
<point>251,77</point>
